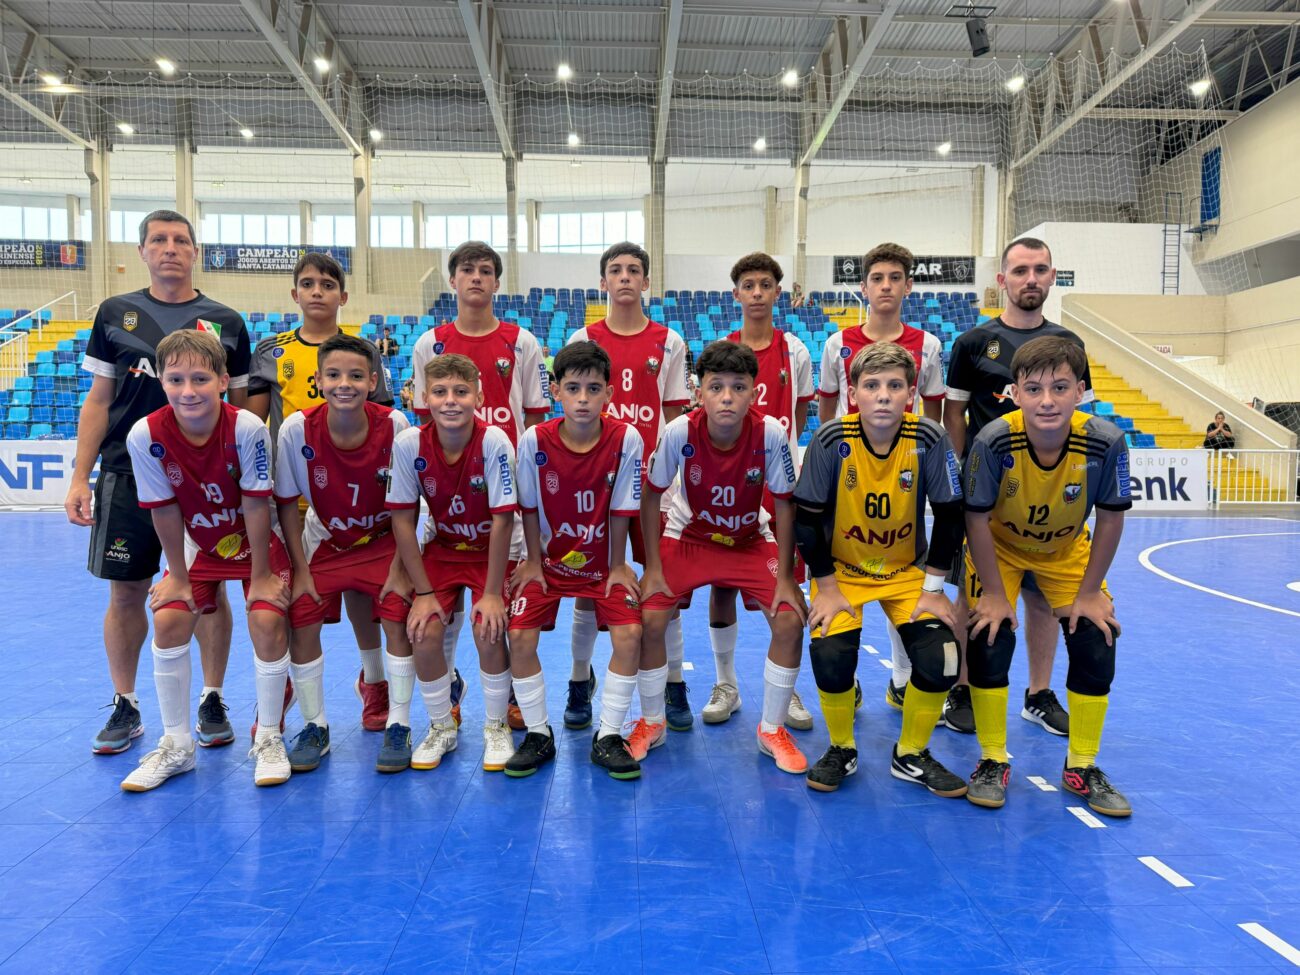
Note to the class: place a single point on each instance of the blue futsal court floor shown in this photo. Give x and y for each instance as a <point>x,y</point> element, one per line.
<point>714,861</point>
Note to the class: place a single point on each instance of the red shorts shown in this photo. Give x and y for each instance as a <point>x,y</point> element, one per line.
<point>450,578</point>
<point>689,565</point>
<point>363,570</point>
<point>209,573</point>
<point>533,609</point>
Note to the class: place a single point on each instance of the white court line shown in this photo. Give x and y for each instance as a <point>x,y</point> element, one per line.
<point>687,665</point>
<point>886,663</point>
<point>1085,817</point>
<point>869,648</point>
<point>1166,871</point>
<point>1042,783</point>
<point>1265,936</point>
<point>1145,560</point>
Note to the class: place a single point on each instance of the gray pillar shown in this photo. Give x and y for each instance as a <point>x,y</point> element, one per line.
<point>99,259</point>
<point>185,179</point>
<point>802,174</point>
<point>73,204</point>
<point>512,228</point>
<point>532,210</point>
<point>361,211</point>
<point>654,229</point>
<point>417,224</point>
<point>771,221</point>
<point>305,223</point>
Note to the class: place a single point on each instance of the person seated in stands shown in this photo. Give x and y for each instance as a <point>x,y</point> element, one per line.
<point>797,298</point>
<point>1219,435</point>
<point>388,345</point>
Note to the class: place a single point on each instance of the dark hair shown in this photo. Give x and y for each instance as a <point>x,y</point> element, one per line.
<point>166,216</point>
<point>1046,353</point>
<point>724,356</point>
<point>473,251</point>
<point>630,250</point>
<point>888,254</point>
<point>323,263</point>
<point>581,357</point>
<point>1033,243</point>
<point>343,342</point>
<point>757,261</point>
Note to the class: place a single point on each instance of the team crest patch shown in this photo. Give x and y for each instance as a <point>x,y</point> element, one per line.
<point>309,454</point>
<point>610,477</point>
<point>286,368</point>
<point>130,320</point>
<point>157,450</point>
<point>381,475</point>
<point>477,485</point>
<point>1072,492</point>
<point>688,450</point>
<point>553,482</point>
<point>771,567</point>
<point>753,475</point>
<point>174,473</point>
<point>1008,462</point>
<point>630,601</point>
<point>430,487</point>
<point>851,477</point>
<point>905,480</point>
<point>652,366</point>
<point>844,449</point>
<point>420,463</point>
<point>212,328</point>
<point>539,458</point>
<point>320,476</point>
<point>1013,486</point>
<point>696,474</point>
<point>439,348</point>
<point>993,349</point>
<point>785,377</point>
<point>845,352</point>
<point>503,367</point>
<point>277,352</point>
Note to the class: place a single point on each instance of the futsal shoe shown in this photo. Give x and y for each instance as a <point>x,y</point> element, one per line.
<point>610,753</point>
<point>395,753</point>
<point>1091,784</point>
<point>924,769</point>
<point>498,746</point>
<point>272,761</point>
<point>676,708</point>
<point>1044,710</point>
<point>213,729</point>
<point>958,714</point>
<point>284,711</point>
<point>894,695</point>
<point>644,737</point>
<point>309,746</point>
<point>535,751</point>
<point>833,768</point>
<point>797,716</point>
<point>577,712</point>
<point>988,784</point>
<point>171,757</point>
<point>780,747</point>
<point>374,703</point>
<point>457,692</point>
<point>724,701</point>
<point>514,717</point>
<point>122,726</point>
<point>440,740</point>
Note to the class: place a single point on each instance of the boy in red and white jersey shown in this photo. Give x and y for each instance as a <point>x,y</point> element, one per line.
<point>579,487</point>
<point>648,373</point>
<point>464,470</point>
<point>782,390</point>
<point>729,456</point>
<point>203,468</point>
<point>336,456</point>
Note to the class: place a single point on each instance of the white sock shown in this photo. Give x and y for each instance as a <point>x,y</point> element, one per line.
<point>778,685</point>
<point>676,649</point>
<point>171,676</point>
<point>615,699</point>
<point>723,639</point>
<point>203,694</point>
<point>134,698</point>
<point>530,694</point>
<point>401,684</point>
<point>902,663</point>
<point>650,684</point>
<point>437,698</point>
<point>582,642</point>
<point>270,679</point>
<point>449,637</point>
<point>496,694</point>
<point>309,686</point>
<point>372,666</point>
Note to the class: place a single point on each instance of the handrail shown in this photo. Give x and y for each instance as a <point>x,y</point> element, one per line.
<point>40,327</point>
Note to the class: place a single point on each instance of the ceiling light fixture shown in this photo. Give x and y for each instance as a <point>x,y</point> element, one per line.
<point>246,132</point>
<point>943,148</point>
<point>1200,87</point>
<point>322,64</point>
<point>376,135</point>
<point>125,128</point>
<point>167,67</point>
<point>790,78</point>
<point>1016,83</point>
<point>574,140</point>
<point>51,79</point>
<point>563,71</point>
<point>760,144</point>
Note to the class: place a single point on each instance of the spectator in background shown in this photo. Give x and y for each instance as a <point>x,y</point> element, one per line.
<point>797,298</point>
<point>408,395</point>
<point>548,359</point>
<point>388,346</point>
<point>1218,435</point>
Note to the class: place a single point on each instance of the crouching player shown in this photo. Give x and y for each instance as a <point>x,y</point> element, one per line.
<point>861,529</point>
<point>579,489</point>
<point>204,470</point>
<point>337,456</point>
<point>718,535</point>
<point>1032,477</point>
<point>464,470</point>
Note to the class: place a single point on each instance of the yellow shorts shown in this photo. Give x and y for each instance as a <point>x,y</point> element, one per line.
<point>1058,577</point>
<point>897,597</point>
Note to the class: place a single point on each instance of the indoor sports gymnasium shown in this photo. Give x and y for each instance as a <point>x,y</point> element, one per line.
<point>364,318</point>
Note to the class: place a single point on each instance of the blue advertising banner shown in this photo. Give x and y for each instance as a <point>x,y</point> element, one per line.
<point>57,255</point>
<point>269,259</point>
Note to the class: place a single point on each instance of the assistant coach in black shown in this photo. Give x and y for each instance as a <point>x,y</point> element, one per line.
<point>123,547</point>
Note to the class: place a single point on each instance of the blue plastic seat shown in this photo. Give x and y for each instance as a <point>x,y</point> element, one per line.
<point>39,430</point>
<point>19,414</point>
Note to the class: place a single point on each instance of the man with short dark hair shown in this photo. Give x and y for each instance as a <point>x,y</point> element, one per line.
<point>123,546</point>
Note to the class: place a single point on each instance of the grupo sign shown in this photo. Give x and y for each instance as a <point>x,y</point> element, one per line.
<point>1169,480</point>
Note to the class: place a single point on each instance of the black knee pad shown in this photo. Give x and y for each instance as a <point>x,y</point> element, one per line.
<point>1092,663</point>
<point>988,663</point>
<point>934,652</point>
<point>835,660</point>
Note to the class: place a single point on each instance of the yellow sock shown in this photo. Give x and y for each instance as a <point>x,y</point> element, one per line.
<point>990,707</point>
<point>1087,715</point>
<point>837,709</point>
<point>921,710</point>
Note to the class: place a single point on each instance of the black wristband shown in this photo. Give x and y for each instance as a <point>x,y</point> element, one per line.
<point>429,593</point>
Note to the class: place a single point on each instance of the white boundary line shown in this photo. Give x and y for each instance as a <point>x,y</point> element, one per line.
<point>1166,871</point>
<point>1042,783</point>
<point>1267,937</point>
<point>1145,560</point>
<point>1085,817</point>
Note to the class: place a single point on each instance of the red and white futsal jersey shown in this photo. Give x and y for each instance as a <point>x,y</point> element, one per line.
<point>511,372</point>
<point>784,384</point>
<point>837,357</point>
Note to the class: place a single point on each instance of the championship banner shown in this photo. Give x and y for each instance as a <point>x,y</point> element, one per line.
<point>36,473</point>
<point>847,269</point>
<point>271,259</point>
<point>43,255</point>
<point>1169,480</point>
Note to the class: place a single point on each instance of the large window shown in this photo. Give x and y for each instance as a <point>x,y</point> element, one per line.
<point>329,230</point>
<point>589,233</point>
<point>33,223</point>
<point>392,230</point>
<point>452,230</point>
<point>249,228</point>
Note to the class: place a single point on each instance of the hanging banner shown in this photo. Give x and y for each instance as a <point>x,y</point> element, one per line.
<point>926,269</point>
<point>269,259</point>
<point>1169,480</point>
<point>37,473</point>
<point>43,255</point>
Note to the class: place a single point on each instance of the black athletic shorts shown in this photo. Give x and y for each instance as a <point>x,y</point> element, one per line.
<point>123,545</point>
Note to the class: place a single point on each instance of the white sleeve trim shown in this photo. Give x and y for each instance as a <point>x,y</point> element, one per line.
<point>98,367</point>
<point>958,395</point>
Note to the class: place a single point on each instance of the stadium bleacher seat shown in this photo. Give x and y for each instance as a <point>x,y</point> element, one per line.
<point>38,430</point>
<point>19,414</point>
